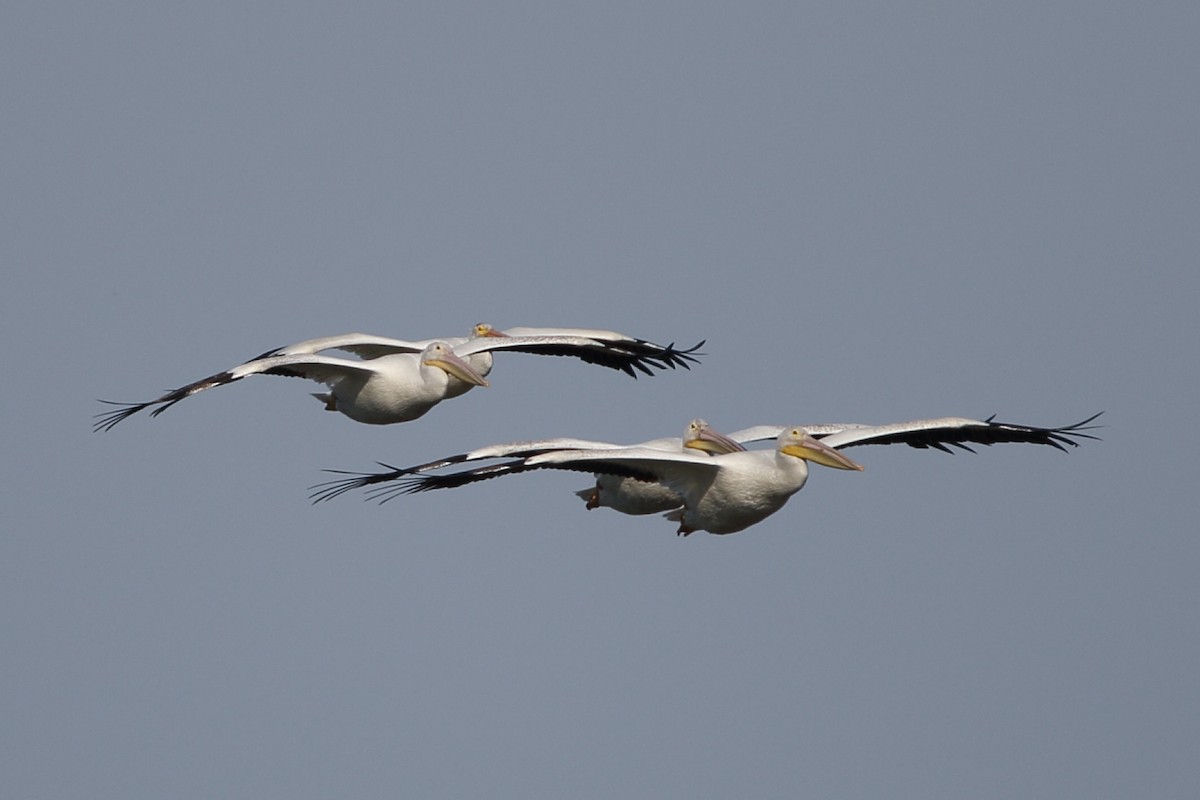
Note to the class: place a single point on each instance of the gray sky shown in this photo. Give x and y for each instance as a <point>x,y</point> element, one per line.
<point>872,212</point>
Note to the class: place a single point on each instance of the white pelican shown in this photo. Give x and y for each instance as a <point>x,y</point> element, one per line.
<point>611,491</point>
<point>605,348</point>
<point>392,383</point>
<point>730,491</point>
<point>723,493</point>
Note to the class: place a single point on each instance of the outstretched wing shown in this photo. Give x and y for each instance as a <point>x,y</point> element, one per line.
<point>940,434</point>
<point>359,480</point>
<point>604,348</point>
<point>947,432</point>
<point>323,369</point>
<point>639,463</point>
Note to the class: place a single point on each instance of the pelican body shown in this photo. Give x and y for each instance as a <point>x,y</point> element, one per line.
<point>400,387</point>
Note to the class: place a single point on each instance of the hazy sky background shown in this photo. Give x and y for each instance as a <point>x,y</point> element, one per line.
<point>872,211</point>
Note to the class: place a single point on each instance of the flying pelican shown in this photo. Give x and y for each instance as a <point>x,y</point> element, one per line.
<point>625,495</point>
<point>723,493</point>
<point>392,381</point>
<point>730,491</point>
<point>604,348</point>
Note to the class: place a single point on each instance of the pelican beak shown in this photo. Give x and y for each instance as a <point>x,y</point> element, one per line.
<point>483,329</point>
<point>453,365</point>
<point>812,449</point>
<point>713,442</point>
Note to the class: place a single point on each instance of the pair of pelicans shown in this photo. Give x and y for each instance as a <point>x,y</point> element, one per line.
<point>705,480</point>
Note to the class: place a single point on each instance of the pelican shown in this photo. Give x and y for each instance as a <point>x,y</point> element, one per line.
<point>723,493</point>
<point>604,348</point>
<point>733,489</point>
<point>395,380</point>
<point>625,495</point>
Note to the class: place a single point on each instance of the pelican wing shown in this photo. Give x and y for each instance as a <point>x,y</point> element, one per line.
<point>639,463</point>
<point>609,338</point>
<point>323,369</point>
<point>939,434</point>
<point>364,345</point>
<point>334,488</point>
<point>604,348</point>
<point>518,450</point>
<point>677,469</point>
<point>959,432</point>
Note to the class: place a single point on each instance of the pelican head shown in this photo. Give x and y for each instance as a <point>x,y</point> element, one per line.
<point>699,435</point>
<point>442,356</point>
<point>483,329</point>
<point>799,443</point>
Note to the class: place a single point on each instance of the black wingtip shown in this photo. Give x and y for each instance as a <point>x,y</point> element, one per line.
<point>107,420</point>
<point>1064,436</point>
<point>686,357</point>
<point>1085,425</point>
